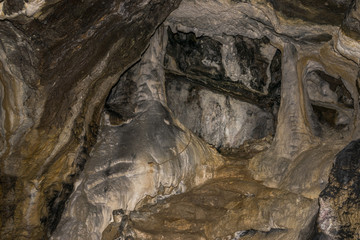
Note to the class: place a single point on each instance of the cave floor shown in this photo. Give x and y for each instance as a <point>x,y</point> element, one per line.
<point>232,205</point>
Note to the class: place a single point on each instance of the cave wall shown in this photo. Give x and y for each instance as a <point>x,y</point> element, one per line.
<point>230,71</point>
<point>146,156</point>
<point>224,100</point>
<point>302,120</point>
<point>59,60</point>
<point>339,201</point>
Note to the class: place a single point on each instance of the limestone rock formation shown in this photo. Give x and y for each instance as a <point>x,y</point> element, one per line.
<point>59,60</point>
<point>339,202</point>
<point>222,121</point>
<point>148,156</point>
<point>230,206</point>
<point>114,116</point>
<point>201,72</point>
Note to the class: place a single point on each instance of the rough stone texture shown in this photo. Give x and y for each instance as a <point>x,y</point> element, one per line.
<point>331,101</point>
<point>308,173</point>
<point>222,121</point>
<point>307,51</point>
<point>297,60</point>
<point>248,69</point>
<point>321,11</point>
<point>339,216</point>
<point>318,113</point>
<point>349,35</point>
<point>59,60</point>
<point>293,133</point>
<point>350,24</point>
<point>147,156</point>
<point>252,19</point>
<point>231,206</point>
<point>13,8</point>
<point>214,87</point>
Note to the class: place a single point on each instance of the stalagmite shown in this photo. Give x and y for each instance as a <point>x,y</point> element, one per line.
<point>149,155</point>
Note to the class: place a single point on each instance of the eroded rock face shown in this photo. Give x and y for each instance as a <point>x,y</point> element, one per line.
<point>148,156</point>
<point>331,101</point>
<point>322,12</point>
<point>222,121</point>
<point>141,160</point>
<point>230,71</point>
<point>339,201</point>
<point>230,206</point>
<point>59,60</point>
<point>349,34</point>
<point>226,90</point>
<point>248,69</point>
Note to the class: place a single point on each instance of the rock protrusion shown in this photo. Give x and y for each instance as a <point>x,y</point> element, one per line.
<point>339,216</point>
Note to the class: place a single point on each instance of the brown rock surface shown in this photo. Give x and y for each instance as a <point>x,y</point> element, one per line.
<point>89,118</point>
<point>230,206</point>
<point>59,60</point>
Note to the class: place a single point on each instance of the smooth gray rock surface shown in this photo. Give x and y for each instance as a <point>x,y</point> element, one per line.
<point>222,121</point>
